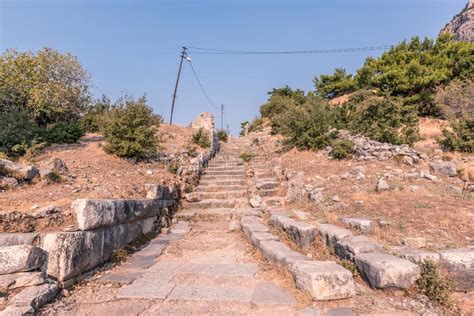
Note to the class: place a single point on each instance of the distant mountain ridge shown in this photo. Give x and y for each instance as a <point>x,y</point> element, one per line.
<point>462,24</point>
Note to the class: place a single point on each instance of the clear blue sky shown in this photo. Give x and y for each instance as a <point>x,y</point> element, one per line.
<point>133,46</point>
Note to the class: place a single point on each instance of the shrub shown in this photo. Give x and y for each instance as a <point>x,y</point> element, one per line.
<point>62,133</point>
<point>17,132</point>
<point>222,135</point>
<point>246,156</point>
<point>342,149</point>
<point>456,99</point>
<point>461,138</point>
<point>54,177</point>
<point>277,104</point>
<point>93,119</point>
<point>128,129</point>
<point>173,167</point>
<point>433,284</point>
<point>192,152</point>
<point>255,125</point>
<point>201,138</point>
<point>244,128</point>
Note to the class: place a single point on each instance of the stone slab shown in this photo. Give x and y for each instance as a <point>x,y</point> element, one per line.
<point>247,270</point>
<point>92,214</point>
<point>303,234</point>
<point>211,293</point>
<point>257,237</point>
<point>21,279</point>
<point>279,253</point>
<point>14,239</point>
<point>416,255</point>
<point>323,280</point>
<point>349,247</point>
<point>147,288</point>
<point>386,271</point>
<point>330,234</point>
<point>120,277</point>
<point>364,225</point>
<point>267,293</point>
<point>20,258</point>
<point>459,263</point>
<point>36,296</point>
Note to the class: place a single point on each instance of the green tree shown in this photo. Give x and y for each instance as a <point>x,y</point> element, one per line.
<point>128,129</point>
<point>331,86</point>
<point>51,87</point>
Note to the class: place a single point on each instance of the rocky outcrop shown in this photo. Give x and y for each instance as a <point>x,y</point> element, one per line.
<point>462,24</point>
<point>368,149</point>
<point>205,121</point>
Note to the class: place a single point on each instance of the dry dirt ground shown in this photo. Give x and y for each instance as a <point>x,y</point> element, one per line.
<point>443,217</point>
<point>95,174</point>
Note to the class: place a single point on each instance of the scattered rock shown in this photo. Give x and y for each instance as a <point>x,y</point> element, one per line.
<point>414,242</point>
<point>255,201</point>
<point>193,197</point>
<point>7,183</point>
<point>414,188</point>
<point>21,279</point>
<point>446,168</point>
<point>363,224</point>
<point>453,190</point>
<point>384,223</point>
<point>17,171</point>
<point>316,197</point>
<point>426,175</point>
<point>45,211</point>
<point>382,185</point>
<point>36,296</point>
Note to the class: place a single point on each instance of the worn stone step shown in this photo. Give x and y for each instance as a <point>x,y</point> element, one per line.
<point>301,233</point>
<point>267,185</point>
<point>222,194</point>
<point>217,214</point>
<point>225,173</point>
<point>226,168</point>
<point>206,182</point>
<point>211,203</point>
<point>207,177</point>
<point>220,188</point>
<point>274,201</point>
<point>267,193</point>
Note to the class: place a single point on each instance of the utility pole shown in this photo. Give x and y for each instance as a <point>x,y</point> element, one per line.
<point>183,55</point>
<point>222,117</point>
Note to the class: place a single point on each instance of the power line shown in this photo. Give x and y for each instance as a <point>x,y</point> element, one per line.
<point>202,88</point>
<point>215,51</point>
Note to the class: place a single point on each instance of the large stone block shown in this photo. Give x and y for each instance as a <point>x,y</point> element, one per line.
<point>331,234</point>
<point>158,192</point>
<point>20,258</point>
<point>20,279</point>
<point>252,224</point>
<point>73,253</point>
<point>446,168</point>
<point>415,255</point>
<point>386,271</point>
<point>349,247</point>
<point>459,263</point>
<point>17,171</point>
<point>303,234</point>
<point>36,296</point>
<point>257,237</point>
<point>363,224</point>
<point>323,280</point>
<point>93,214</point>
<point>13,239</point>
<point>280,253</point>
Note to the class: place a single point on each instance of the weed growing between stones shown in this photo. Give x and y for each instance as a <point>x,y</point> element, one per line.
<point>246,156</point>
<point>433,284</point>
<point>349,265</point>
<point>201,138</point>
<point>119,256</point>
<point>54,177</point>
<point>173,167</point>
<point>222,135</point>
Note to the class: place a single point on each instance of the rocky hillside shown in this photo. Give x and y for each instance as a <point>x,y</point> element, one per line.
<point>462,24</point>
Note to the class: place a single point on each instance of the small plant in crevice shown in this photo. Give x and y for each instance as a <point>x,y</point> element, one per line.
<point>173,167</point>
<point>201,138</point>
<point>222,135</point>
<point>342,149</point>
<point>246,156</point>
<point>119,256</point>
<point>54,177</point>
<point>349,265</point>
<point>192,152</point>
<point>434,285</point>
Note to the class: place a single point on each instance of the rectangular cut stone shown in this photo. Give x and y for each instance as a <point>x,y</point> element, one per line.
<point>364,225</point>
<point>20,258</point>
<point>72,253</point>
<point>270,294</point>
<point>211,293</point>
<point>415,255</point>
<point>20,279</point>
<point>257,237</point>
<point>323,280</point>
<point>36,296</point>
<point>251,224</point>
<point>459,263</point>
<point>14,239</point>
<point>279,253</point>
<point>92,214</point>
<point>303,234</point>
<point>348,247</point>
<point>233,270</point>
<point>157,192</point>
<point>331,233</point>
<point>385,271</point>
<point>145,288</point>
<point>181,227</point>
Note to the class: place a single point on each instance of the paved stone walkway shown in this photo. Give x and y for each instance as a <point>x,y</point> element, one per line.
<point>203,266</point>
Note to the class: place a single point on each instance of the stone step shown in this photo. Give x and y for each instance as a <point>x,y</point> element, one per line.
<point>221,194</point>
<point>323,280</point>
<point>207,177</point>
<point>301,233</point>
<point>214,182</point>
<point>266,185</point>
<point>224,172</point>
<point>274,201</point>
<point>217,214</point>
<point>226,168</point>
<point>266,193</point>
<point>213,203</point>
<point>220,188</point>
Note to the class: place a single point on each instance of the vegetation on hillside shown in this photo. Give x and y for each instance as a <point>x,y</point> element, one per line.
<point>45,99</point>
<point>386,96</point>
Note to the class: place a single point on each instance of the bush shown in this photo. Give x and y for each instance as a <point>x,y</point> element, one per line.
<point>244,128</point>
<point>201,138</point>
<point>342,149</point>
<point>54,177</point>
<point>17,132</point>
<point>433,285</point>
<point>93,119</point>
<point>192,152</point>
<point>461,138</point>
<point>173,167</point>
<point>255,126</point>
<point>222,135</point>
<point>246,156</point>
<point>61,133</point>
<point>128,129</point>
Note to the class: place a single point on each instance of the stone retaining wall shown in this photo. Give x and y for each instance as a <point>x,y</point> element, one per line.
<point>45,262</point>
